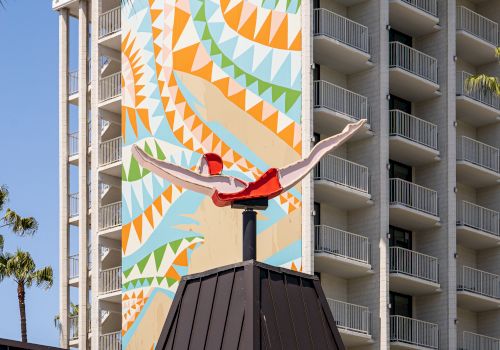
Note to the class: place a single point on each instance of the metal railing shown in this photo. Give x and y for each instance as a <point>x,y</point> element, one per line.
<point>478,282</point>
<point>110,215</point>
<point>73,144</point>
<point>411,60</point>
<point>413,128</point>
<point>413,196</point>
<point>411,263</point>
<point>111,341</point>
<point>73,204</point>
<point>478,153</point>
<point>474,341</point>
<point>110,280</point>
<point>110,151</point>
<point>429,6</point>
<point>350,317</point>
<point>480,218</point>
<point>342,243</point>
<point>110,86</point>
<point>343,172</point>
<point>489,98</point>
<point>73,266</point>
<point>477,25</point>
<point>340,100</point>
<point>341,28</point>
<point>110,22</point>
<point>73,82</point>
<point>73,327</point>
<point>416,332</point>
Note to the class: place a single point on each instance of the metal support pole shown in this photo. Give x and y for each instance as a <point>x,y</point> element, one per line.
<point>249,234</point>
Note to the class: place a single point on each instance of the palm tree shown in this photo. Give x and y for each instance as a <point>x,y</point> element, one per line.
<point>483,82</point>
<point>22,269</point>
<point>73,311</point>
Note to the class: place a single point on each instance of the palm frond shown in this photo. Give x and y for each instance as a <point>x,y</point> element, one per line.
<point>4,194</point>
<point>44,277</point>
<point>19,225</point>
<point>483,83</point>
<point>1,244</point>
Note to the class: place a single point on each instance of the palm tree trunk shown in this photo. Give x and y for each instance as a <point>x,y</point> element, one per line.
<point>22,310</point>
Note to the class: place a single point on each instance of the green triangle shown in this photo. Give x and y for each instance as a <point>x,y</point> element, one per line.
<point>237,71</point>
<point>145,172</point>
<point>150,280</point>
<point>159,153</point>
<point>189,239</point>
<point>200,16</point>
<point>124,174</point>
<point>277,92</point>
<point>175,245</point>
<point>290,98</point>
<point>158,254</point>
<point>159,279</point>
<point>250,79</point>
<point>134,172</point>
<point>206,34</point>
<point>141,281</point>
<point>170,281</point>
<point>263,86</point>
<point>126,273</point>
<point>226,62</point>
<point>214,49</point>
<point>147,149</point>
<point>142,264</point>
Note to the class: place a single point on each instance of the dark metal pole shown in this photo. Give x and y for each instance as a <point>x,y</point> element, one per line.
<point>249,234</point>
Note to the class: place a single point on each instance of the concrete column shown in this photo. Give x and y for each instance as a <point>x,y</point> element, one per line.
<point>63,177</point>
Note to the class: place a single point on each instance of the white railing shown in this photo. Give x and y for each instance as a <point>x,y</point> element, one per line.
<point>73,266</point>
<point>110,215</point>
<point>342,243</point>
<point>110,86</point>
<point>111,341</point>
<point>340,100</point>
<point>340,28</point>
<point>73,82</point>
<point>110,280</point>
<point>110,151</point>
<point>343,172</point>
<point>73,327</point>
<point>351,317</point>
<point>73,144</point>
<point>475,216</point>
<point>477,25</point>
<point>478,282</point>
<point>413,61</point>
<point>416,332</point>
<point>73,204</point>
<point>474,341</point>
<point>413,128</point>
<point>414,196</point>
<point>478,153</point>
<point>487,97</point>
<point>110,22</point>
<point>414,264</point>
<point>429,6</point>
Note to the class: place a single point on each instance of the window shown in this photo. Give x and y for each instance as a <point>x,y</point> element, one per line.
<point>400,237</point>
<point>316,4</point>
<point>317,214</point>
<point>401,304</point>
<point>395,35</point>
<point>399,103</point>
<point>400,171</point>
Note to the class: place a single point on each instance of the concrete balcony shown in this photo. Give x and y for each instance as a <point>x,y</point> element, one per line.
<point>110,220</point>
<point>110,284</point>
<point>71,5</point>
<point>474,341</point>
<point>341,42</point>
<point>110,28</point>
<point>110,157</point>
<point>410,333</point>
<point>477,290</point>
<point>412,74</point>
<point>74,268</point>
<point>476,107</point>
<point>341,253</point>
<point>110,93</point>
<point>74,210</point>
<point>412,206</point>
<point>412,140</point>
<point>353,322</point>
<point>335,107</point>
<point>342,183</point>
<point>477,227</point>
<point>414,17</point>
<point>111,341</point>
<point>73,329</point>
<point>477,163</point>
<point>413,273</point>
<point>477,37</point>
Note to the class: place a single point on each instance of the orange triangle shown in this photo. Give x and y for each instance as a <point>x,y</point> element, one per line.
<point>155,14</point>
<point>172,273</point>
<point>143,115</point>
<point>182,259</point>
<point>168,194</point>
<point>157,204</point>
<point>125,235</point>
<point>138,227</point>
<point>149,215</point>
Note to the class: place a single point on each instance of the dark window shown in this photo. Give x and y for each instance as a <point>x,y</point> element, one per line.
<point>395,35</point>
<point>400,237</point>
<point>400,171</point>
<point>399,103</point>
<point>401,304</point>
<point>316,72</point>
<point>316,4</point>
<point>317,214</point>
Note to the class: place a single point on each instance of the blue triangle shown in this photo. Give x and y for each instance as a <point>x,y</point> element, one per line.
<point>282,78</point>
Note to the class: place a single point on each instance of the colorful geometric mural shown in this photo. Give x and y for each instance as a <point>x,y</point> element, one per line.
<point>201,76</point>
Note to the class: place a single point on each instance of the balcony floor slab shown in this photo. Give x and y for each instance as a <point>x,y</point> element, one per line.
<point>113,297</point>
<point>340,266</point>
<point>474,50</point>
<point>411,87</point>
<point>113,105</point>
<point>476,239</point>
<point>411,20</point>
<point>112,169</point>
<point>112,233</point>
<point>476,113</point>
<point>410,152</point>
<point>476,302</point>
<point>397,345</point>
<point>353,338</point>
<point>411,219</point>
<point>328,122</point>
<point>340,196</point>
<point>406,284</point>
<point>476,176</point>
<point>113,41</point>
<point>342,57</point>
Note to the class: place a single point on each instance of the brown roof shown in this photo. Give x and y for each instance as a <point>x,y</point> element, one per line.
<point>249,305</point>
<point>7,344</point>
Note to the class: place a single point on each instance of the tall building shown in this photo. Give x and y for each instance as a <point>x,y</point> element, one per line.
<point>401,224</point>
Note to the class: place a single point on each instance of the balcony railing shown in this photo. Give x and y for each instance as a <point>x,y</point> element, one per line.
<point>480,218</point>
<point>110,22</point>
<point>416,332</point>
<point>340,100</point>
<point>477,25</point>
<point>478,282</point>
<point>478,153</point>
<point>340,28</point>
<point>414,264</point>
<point>73,327</point>
<point>413,61</point>
<point>110,215</point>
<point>341,243</point>
<point>487,97</point>
<point>413,128</point>
<point>429,6</point>
<point>110,280</point>
<point>473,341</point>
<point>413,196</point>
<point>73,82</point>
<point>73,205</point>
<point>351,317</point>
<point>73,144</point>
<point>111,341</point>
<point>342,172</point>
<point>110,151</point>
<point>110,87</point>
<point>73,266</point>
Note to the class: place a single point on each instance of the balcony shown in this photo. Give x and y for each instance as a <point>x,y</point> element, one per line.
<point>476,107</point>
<point>73,207</point>
<point>413,273</point>
<point>477,37</point>
<point>110,89</point>
<point>71,5</point>
<point>110,156</point>
<point>341,253</point>
<point>341,41</point>
<point>477,227</point>
<point>335,107</point>
<point>412,74</point>
<point>412,206</point>
<point>412,140</point>
<point>341,183</point>
<point>110,220</point>
<point>414,17</point>
<point>477,163</point>
<point>110,28</point>
<point>353,322</point>
<point>473,341</point>
<point>74,271</point>
<point>409,333</point>
<point>477,290</point>
<point>72,82</point>
<point>110,284</point>
<point>111,341</point>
